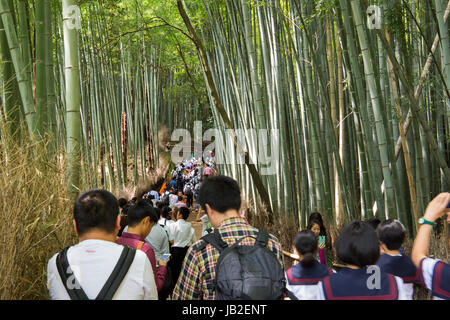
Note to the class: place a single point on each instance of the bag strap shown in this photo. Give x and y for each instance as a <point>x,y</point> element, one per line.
<point>289,294</point>
<point>62,264</point>
<point>118,274</point>
<point>215,239</point>
<point>262,239</point>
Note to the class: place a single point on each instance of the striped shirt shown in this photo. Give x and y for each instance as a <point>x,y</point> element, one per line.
<point>198,270</point>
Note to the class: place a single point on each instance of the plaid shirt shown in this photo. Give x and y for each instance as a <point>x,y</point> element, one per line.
<point>199,267</point>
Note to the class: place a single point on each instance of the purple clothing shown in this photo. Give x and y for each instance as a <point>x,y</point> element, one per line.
<point>322,256</point>
<point>180,204</point>
<point>132,240</point>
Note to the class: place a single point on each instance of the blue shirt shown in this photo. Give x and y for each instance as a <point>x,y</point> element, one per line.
<point>155,194</point>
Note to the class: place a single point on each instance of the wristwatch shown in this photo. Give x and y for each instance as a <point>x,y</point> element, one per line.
<point>423,221</point>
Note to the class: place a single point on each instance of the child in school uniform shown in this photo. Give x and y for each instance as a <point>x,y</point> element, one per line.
<point>358,249</point>
<point>391,234</point>
<point>434,273</point>
<point>302,279</point>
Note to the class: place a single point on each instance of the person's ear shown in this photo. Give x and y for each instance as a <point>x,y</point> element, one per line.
<point>210,212</point>
<point>75,226</point>
<point>118,222</point>
<point>208,209</point>
<point>382,248</point>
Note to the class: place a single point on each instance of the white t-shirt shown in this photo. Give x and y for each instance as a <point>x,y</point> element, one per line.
<point>428,265</point>
<point>402,295</point>
<point>166,223</point>
<point>183,233</point>
<point>92,262</point>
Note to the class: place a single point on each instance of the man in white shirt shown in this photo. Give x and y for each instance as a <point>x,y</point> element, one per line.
<point>92,260</point>
<point>183,237</point>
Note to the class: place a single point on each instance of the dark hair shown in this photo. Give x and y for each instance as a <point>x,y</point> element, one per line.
<point>374,222</point>
<point>357,244</point>
<point>122,202</point>
<point>306,245</point>
<point>147,201</point>
<point>96,209</point>
<point>166,212</point>
<point>221,193</point>
<point>392,233</point>
<point>140,211</point>
<point>316,216</point>
<point>158,212</point>
<point>126,207</point>
<point>185,212</point>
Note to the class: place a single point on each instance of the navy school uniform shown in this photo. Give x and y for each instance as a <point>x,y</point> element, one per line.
<point>435,276</point>
<point>352,284</point>
<point>303,282</point>
<point>403,267</point>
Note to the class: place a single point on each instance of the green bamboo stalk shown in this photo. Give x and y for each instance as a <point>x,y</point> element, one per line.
<point>380,129</point>
<point>25,85</point>
<point>41,55</point>
<point>49,73</point>
<point>9,87</point>
<point>73,97</point>
<point>24,37</point>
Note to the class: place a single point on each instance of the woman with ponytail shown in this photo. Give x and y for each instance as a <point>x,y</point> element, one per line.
<point>302,279</point>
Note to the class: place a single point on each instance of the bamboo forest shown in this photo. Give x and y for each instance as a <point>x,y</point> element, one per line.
<point>340,107</point>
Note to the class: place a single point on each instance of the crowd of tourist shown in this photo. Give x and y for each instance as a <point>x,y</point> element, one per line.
<point>146,249</point>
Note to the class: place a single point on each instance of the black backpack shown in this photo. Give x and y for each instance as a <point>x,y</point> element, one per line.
<point>246,272</point>
<point>112,284</point>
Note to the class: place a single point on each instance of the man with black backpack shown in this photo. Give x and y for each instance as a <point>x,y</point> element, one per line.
<point>97,267</point>
<point>236,261</point>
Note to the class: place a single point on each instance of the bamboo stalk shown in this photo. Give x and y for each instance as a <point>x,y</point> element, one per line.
<point>405,147</point>
<point>73,97</point>
<point>25,86</point>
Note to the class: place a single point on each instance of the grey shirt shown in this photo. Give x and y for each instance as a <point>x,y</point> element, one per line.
<point>159,241</point>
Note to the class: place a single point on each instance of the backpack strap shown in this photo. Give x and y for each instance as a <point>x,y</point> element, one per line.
<point>262,239</point>
<point>215,239</point>
<point>290,294</point>
<point>118,274</point>
<point>62,264</point>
